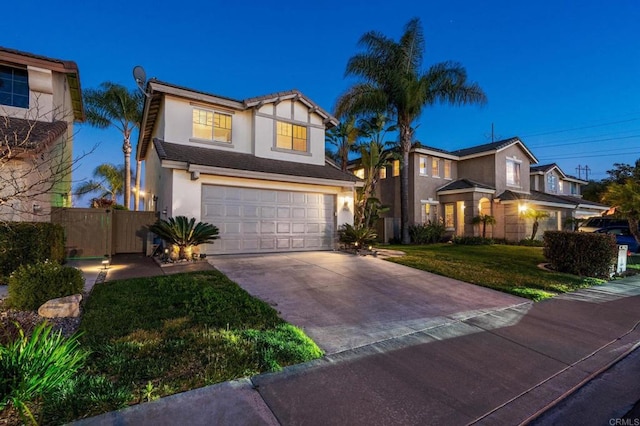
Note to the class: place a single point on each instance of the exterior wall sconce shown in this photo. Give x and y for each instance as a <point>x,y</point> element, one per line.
<point>522,208</point>
<point>37,208</point>
<point>164,211</point>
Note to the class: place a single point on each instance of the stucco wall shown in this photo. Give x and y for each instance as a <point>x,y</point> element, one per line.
<point>186,193</point>
<point>178,116</point>
<point>479,169</point>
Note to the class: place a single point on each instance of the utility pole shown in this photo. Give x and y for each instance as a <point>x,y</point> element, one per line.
<point>586,171</point>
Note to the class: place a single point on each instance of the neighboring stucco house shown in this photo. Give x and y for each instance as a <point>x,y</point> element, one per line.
<point>495,179</point>
<point>255,168</point>
<point>40,99</point>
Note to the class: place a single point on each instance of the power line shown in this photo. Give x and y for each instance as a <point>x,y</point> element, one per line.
<point>580,128</point>
<point>568,157</point>
<point>585,142</point>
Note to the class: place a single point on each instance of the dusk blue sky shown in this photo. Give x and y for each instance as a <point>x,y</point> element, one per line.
<point>563,76</point>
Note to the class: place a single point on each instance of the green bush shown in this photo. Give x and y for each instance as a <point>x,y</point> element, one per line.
<point>361,235</point>
<point>527,242</point>
<point>428,233</point>
<point>32,285</point>
<point>24,242</point>
<point>580,253</point>
<point>35,366</point>
<point>473,241</point>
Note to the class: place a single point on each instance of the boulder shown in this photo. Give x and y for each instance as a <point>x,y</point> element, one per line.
<point>62,307</point>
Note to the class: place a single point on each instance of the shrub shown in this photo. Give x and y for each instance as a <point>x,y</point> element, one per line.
<point>32,285</point>
<point>473,241</point>
<point>580,253</point>
<point>531,243</point>
<point>184,232</point>
<point>428,233</point>
<point>361,235</point>
<point>24,242</point>
<point>35,366</point>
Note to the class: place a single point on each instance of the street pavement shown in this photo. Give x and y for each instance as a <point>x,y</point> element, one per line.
<point>408,347</point>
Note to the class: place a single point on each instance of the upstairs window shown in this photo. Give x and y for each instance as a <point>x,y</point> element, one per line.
<point>435,167</point>
<point>396,168</point>
<point>551,182</point>
<point>513,172</point>
<point>447,169</point>
<point>290,136</point>
<point>211,125</point>
<point>423,166</point>
<point>14,87</point>
<point>359,173</point>
<point>383,173</point>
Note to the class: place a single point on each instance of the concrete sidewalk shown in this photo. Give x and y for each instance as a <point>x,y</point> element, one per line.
<point>500,366</point>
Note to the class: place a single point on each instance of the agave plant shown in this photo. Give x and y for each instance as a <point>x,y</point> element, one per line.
<point>184,233</point>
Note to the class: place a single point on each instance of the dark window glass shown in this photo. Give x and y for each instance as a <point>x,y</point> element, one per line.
<point>14,87</point>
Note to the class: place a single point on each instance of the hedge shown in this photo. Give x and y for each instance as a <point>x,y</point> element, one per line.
<point>580,253</point>
<point>27,242</point>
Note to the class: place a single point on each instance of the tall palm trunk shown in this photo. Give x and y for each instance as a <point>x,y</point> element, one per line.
<point>126,149</point>
<point>136,196</point>
<point>405,142</point>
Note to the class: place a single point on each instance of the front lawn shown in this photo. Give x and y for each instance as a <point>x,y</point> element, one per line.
<point>152,337</point>
<point>511,269</point>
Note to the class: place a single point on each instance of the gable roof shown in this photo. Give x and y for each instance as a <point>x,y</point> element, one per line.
<point>19,135</point>
<point>464,184</point>
<point>493,147</point>
<point>153,102</point>
<point>68,68</point>
<point>192,155</point>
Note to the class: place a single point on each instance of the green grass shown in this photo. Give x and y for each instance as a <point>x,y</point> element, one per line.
<point>511,269</point>
<point>152,337</point>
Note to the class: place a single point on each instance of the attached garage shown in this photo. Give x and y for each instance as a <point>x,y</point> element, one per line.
<point>255,220</point>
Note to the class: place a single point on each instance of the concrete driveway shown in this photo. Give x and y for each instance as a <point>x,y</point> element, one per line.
<point>344,301</point>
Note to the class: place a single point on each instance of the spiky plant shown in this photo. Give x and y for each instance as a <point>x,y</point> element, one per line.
<point>360,236</point>
<point>184,232</point>
<point>36,365</point>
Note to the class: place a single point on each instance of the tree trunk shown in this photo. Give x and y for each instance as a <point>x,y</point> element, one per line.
<point>633,227</point>
<point>136,196</point>
<point>405,141</point>
<point>484,229</point>
<point>126,149</point>
<point>535,230</point>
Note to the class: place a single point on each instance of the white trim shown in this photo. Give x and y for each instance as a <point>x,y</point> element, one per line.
<point>433,153</point>
<point>201,97</point>
<point>538,203</point>
<point>430,201</point>
<point>466,190</point>
<point>220,171</point>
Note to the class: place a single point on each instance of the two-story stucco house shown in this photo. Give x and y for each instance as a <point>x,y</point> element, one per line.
<point>495,179</point>
<point>40,99</point>
<point>255,168</point>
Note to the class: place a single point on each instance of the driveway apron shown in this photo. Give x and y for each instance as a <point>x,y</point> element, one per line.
<point>344,301</point>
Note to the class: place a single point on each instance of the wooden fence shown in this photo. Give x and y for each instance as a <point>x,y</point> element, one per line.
<point>99,232</point>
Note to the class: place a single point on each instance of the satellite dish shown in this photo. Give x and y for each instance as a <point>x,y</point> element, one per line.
<point>140,76</point>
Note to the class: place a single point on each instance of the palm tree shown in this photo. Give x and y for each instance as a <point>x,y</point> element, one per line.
<point>626,199</point>
<point>393,80</point>
<point>343,137</point>
<point>108,179</point>
<point>115,105</point>
<point>374,158</point>
<point>536,215</point>
<point>484,219</point>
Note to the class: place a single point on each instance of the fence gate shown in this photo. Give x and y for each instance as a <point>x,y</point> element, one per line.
<point>99,232</point>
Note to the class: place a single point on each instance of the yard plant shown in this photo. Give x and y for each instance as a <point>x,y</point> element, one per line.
<point>152,337</point>
<point>184,233</point>
<point>511,269</point>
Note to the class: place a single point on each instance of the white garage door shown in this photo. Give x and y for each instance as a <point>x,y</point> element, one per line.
<point>264,220</point>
